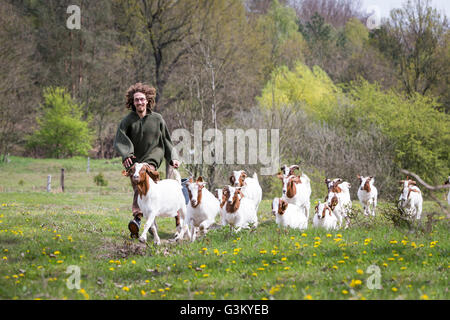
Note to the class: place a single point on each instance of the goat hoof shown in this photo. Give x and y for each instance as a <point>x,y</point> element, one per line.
<point>142,240</point>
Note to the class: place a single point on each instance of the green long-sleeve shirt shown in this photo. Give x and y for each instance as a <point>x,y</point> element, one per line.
<point>147,139</point>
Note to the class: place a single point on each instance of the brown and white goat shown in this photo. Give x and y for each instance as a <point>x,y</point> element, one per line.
<point>367,194</point>
<point>158,198</point>
<point>202,208</point>
<point>237,210</point>
<point>338,198</point>
<point>411,198</point>
<point>250,187</point>
<point>296,188</point>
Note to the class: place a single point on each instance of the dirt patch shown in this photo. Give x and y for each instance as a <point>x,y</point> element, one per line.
<point>114,250</point>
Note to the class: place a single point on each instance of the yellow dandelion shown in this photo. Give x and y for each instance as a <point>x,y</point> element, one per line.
<point>308,297</point>
<point>126,289</point>
<point>424,297</point>
<point>344,291</point>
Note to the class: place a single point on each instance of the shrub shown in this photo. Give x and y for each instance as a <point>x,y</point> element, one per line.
<point>100,180</point>
<point>62,131</point>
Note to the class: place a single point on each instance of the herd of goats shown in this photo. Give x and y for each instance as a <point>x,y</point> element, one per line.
<point>237,203</point>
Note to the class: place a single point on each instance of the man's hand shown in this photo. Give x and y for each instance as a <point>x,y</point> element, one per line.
<point>128,162</point>
<point>175,164</point>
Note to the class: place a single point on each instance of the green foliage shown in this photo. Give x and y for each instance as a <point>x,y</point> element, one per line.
<point>419,131</point>
<point>316,30</point>
<point>356,33</point>
<point>312,89</point>
<point>100,180</point>
<point>280,30</point>
<point>62,132</point>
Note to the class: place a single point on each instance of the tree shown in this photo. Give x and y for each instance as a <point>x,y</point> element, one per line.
<point>309,89</point>
<point>162,29</point>
<point>18,91</point>
<point>62,131</point>
<point>418,130</point>
<point>334,12</point>
<point>418,30</point>
<point>280,30</point>
<point>220,73</point>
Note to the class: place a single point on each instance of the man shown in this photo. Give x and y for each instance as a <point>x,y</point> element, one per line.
<point>142,136</point>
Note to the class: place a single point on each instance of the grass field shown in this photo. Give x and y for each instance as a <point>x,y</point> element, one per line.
<point>42,234</point>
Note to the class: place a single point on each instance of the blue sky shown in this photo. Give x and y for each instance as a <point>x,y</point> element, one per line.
<point>385,6</point>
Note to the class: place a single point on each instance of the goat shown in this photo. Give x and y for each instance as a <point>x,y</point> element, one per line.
<point>338,199</point>
<point>296,189</point>
<point>237,210</point>
<point>367,194</point>
<point>411,198</point>
<point>324,217</point>
<point>250,187</point>
<point>158,198</point>
<point>202,207</point>
<point>288,214</point>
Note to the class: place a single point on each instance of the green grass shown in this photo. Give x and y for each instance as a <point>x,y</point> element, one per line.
<point>42,234</point>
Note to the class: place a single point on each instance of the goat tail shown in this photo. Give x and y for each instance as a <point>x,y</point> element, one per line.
<point>255,176</point>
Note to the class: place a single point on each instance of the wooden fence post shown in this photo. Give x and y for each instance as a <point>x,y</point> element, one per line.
<point>62,179</point>
<point>49,183</point>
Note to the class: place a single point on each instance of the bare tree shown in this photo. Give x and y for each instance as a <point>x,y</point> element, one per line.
<point>419,31</point>
<point>335,12</point>
<point>17,89</point>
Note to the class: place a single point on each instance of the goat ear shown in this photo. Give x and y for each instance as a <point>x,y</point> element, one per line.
<point>412,182</point>
<point>200,179</point>
<point>280,175</point>
<point>125,173</point>
<point>401,181</point>
<point>283,167</point>
<point>284,205</point>
<point>244,174</point>
<point>153,174</point>
<point>232,180</point>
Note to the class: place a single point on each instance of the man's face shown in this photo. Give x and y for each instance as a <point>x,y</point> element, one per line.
<point>140,102</point>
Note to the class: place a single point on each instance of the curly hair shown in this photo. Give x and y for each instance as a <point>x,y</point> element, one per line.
<point>150,94</point>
